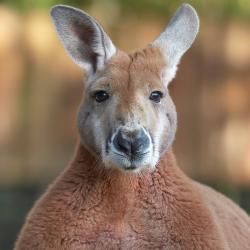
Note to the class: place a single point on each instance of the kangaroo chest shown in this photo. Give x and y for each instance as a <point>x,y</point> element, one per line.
<point>149,222</point>
<point>142,227</point>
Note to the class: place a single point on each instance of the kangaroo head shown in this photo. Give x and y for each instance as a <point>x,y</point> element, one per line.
<point>127,115</point>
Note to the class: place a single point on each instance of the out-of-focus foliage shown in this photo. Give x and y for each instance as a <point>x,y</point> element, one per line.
<point>218,9</point>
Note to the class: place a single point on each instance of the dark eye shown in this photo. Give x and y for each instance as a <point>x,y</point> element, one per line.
<point>101,96</point>
<point>156,96</point>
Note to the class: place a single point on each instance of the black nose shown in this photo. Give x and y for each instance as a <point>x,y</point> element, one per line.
<point>131,143</point>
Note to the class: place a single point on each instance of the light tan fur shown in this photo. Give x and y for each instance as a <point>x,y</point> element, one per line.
<point>90,206</point>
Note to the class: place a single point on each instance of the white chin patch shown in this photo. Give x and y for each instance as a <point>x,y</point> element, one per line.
<point>115,159</point>
<point>124,163</point>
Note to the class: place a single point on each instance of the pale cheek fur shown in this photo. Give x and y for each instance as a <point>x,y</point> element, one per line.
<point>159,130</point>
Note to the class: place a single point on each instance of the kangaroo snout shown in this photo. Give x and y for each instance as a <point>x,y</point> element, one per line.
<point>132,143</point>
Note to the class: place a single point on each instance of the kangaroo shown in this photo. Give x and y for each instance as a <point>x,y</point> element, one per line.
<point>123,188</point>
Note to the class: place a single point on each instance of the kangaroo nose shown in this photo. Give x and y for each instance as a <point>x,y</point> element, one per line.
<point>132,142</point>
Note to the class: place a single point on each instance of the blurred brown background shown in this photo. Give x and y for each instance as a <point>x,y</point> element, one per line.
<point>40,90</point>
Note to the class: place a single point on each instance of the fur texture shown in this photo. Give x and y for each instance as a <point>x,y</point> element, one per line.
<point>90,207</point>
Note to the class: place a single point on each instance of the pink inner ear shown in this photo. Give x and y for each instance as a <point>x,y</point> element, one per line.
<point>84,31</point>
<point>83,37</point>
<point>86,35</point>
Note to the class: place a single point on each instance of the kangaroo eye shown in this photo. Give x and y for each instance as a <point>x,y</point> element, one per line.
<point>156,96</point>
<point>101,96</point>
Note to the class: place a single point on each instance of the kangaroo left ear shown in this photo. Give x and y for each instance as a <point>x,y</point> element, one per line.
<point>178,38</point>
<point>83,37</point>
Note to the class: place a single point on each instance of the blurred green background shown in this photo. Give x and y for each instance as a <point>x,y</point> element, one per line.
<point>40,90</point>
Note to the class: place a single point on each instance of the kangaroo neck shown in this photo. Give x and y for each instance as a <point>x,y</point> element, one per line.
<point>88,170</point>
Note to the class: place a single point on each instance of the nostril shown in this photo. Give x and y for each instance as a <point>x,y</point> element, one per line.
<point>140,145</point>
<point>122,144</point>
<point>137,147</point>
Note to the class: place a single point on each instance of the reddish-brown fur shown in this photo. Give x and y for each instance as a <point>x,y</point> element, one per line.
<point>89,207</point>
<point>93,207</point>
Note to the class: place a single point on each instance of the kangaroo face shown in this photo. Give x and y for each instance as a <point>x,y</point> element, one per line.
<point>127,117</point>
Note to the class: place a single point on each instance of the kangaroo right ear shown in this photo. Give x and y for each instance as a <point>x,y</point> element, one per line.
<point>177,38</point>
<point>83,37</point>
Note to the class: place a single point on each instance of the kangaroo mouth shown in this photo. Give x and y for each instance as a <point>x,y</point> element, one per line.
<point>127,162</point>
<point>132,167</point>
<point>133,157</point>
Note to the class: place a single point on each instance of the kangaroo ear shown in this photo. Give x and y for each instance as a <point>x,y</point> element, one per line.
<point>83,37</point>
<point>178,38</point>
